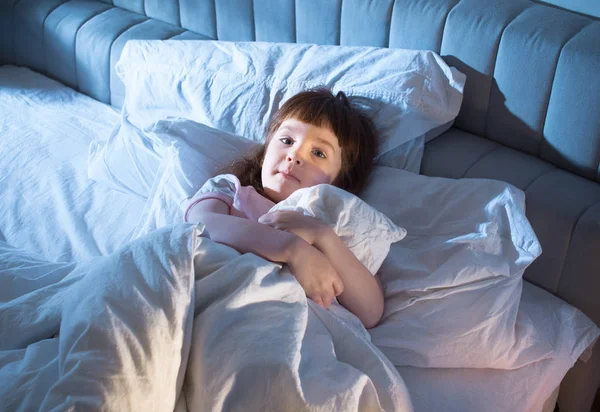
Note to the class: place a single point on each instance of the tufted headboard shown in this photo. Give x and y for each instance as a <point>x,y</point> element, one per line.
<point>530,115</point>
<point>531,69</point>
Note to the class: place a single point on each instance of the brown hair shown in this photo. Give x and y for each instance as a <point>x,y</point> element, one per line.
<point>355,131</point>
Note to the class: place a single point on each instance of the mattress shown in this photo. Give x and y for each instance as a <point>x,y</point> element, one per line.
<point>48,206</point>
<point>488,390</point>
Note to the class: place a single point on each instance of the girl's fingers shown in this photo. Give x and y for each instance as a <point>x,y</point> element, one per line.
<point>319,301</point>
<point>266,218</point>
<point>338,287</point>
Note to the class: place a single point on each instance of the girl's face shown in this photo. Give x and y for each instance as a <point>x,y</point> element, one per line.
<point>299,155</point>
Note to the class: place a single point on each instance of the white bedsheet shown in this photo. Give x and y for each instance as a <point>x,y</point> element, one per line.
<point>48,204</point>
<point>524,389</point>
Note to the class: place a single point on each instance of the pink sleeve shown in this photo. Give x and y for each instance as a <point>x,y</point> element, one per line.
<point>208,195</point>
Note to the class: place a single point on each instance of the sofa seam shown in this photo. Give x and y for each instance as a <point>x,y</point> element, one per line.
<point>75,42</point>
<point>253,19</point>
<point>179,13</point>
<point>339,33</point>
<point>389,14</point>
<point>539,154</point>
<point>445,24</point>
<point>553,169</point>
<point>44,33</point>
<point>112,45</point>
<point>493,71</point>
<point>14,38</point>
<point>598,171</point>
<point>295,21</point>
<point>481,158</point>
<point>389,31</point>
<point>216,20</point>
<point>568,248</point>
<point>176,34</point>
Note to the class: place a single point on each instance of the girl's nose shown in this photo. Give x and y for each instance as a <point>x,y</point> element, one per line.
<point>294,158</point>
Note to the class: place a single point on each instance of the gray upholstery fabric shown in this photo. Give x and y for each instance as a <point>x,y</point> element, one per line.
<point>530,114</point>
<point>407,30</point>
<point>470,42</point>
<point>29,18</point>
<point>532,80</point>
<point>94,42</point>
<point>564,210</point>
<point>60,31</point>
<point>319,28</point>
<point>572,129</point>
<point>370,18</point>
<point>7,32</point>
<point>525,89</point>
<point>149,29</point>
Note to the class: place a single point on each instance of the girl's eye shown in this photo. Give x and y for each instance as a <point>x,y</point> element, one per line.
<point>320,154</point>
<point>286,140</point>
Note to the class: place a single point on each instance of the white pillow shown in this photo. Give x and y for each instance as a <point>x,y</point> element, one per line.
<point>236,87</point>
<point>193,154</point>
<point>367,232</point>
<point>127,161</point>
<point>453,285</point>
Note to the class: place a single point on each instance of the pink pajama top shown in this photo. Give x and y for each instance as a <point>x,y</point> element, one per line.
<point>243,201</point>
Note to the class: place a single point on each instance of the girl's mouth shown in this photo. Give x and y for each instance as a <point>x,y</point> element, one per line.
<point>288,176</point>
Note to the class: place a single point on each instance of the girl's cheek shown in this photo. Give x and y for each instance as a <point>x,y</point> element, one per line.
<point>320,177</point>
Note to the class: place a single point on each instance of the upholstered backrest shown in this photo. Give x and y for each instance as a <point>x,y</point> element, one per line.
<point>532,80</point>
<point>532,85</point>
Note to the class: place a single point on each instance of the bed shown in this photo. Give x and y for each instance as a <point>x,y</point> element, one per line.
<point>54,217</point>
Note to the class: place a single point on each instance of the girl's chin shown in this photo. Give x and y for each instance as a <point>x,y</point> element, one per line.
<point>275,195</point>
<point>279,193</point>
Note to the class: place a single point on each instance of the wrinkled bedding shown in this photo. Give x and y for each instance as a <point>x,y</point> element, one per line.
<point>173,318</point>
<point>253,340</point>
<point>46,129</point>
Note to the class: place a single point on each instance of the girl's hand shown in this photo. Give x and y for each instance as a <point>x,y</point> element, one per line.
<point>306,227</point>
<point>315,274</point>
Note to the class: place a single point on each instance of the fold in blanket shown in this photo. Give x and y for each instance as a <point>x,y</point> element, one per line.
<point>116,333</point>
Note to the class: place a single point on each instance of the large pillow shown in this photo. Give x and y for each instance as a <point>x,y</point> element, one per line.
<point>236,87</point>
<point>192,154</point>
<point>131,158</point>
<point>546,322</point>
<point>453,285</point>
<point>127,161</point>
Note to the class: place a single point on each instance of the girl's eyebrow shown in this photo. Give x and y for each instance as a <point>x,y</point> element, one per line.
<point>287,128</point>
<point>326,143</point>
<point>319,139</point>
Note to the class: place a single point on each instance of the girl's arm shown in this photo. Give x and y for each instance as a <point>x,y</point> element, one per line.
<point>242,234</point>
<point>310,267</point>
<point>363,294</point>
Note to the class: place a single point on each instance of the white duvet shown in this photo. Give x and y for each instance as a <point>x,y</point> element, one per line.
<point>115,333</point>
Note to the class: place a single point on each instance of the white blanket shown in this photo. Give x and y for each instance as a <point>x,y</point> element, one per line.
<point>115,332</point>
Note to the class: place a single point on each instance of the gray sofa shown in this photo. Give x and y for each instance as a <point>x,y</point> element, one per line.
<point>530,116</point>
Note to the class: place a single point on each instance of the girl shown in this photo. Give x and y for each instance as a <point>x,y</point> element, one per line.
<point>314,138</point>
